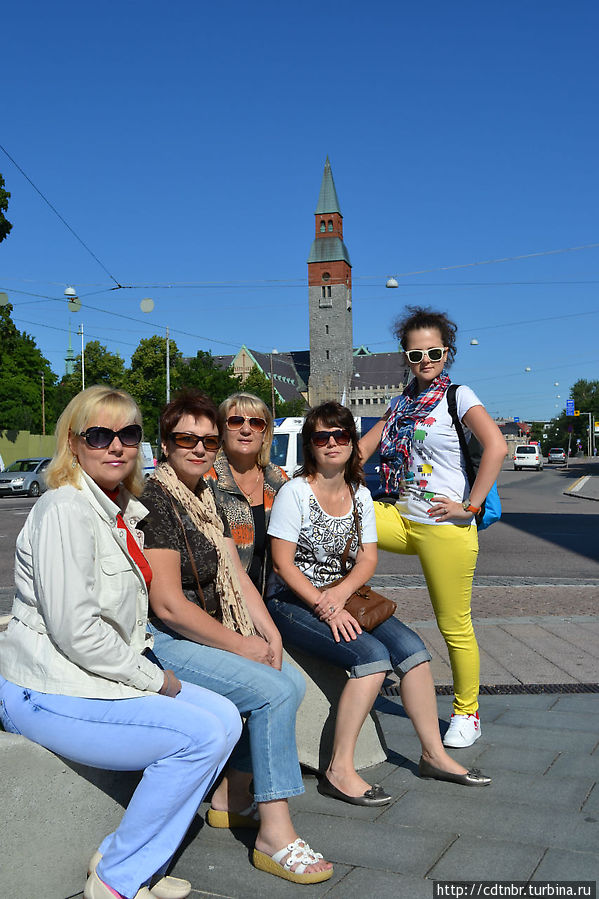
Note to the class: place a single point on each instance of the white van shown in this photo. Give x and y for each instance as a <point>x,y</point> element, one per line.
<point>148,463</point>
<point>287,450</point>
<point>528,455</point>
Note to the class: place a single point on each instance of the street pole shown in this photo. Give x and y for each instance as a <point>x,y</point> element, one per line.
<point>272,390</point>
<point>80,332</point>
<point>168,368</point>
<point>43,406</point>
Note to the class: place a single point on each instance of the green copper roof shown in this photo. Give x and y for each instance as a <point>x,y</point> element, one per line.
<point>327,199</point>
<point>328,249</point>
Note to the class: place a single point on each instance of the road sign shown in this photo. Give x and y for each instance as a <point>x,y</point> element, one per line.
<point>577,412</point>
<point>570,428</point>
<point>569,407</point>
<point>516,418</point>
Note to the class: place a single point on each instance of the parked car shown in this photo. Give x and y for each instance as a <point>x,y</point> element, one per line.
<point>528,455</point>
<point>24,476</point>
<point>557,454</point>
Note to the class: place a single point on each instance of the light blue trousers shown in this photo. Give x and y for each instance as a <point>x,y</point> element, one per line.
<point>180,744</point>
<point>267,698</point>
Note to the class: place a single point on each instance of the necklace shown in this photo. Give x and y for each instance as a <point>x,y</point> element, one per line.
<point>249,495</point>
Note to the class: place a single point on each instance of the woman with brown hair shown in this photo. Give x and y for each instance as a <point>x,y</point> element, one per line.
<point>210,622</point>
<point>311,525</point>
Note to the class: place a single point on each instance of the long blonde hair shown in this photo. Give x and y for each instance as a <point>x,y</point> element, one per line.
<point>76,417</point>
<point>248,404</point>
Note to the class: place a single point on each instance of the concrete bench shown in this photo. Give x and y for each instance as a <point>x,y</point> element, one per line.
<point>316,716</point>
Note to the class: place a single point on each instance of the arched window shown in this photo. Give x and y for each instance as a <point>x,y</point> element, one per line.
<point>330,225</point>
<point>326,276</point>
<point>323,227</point>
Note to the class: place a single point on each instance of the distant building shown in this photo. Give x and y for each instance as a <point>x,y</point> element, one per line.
<point>69,359</point>
<point>332,369</point>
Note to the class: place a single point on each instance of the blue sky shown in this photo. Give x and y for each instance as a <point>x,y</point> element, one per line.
<point>185,142</point>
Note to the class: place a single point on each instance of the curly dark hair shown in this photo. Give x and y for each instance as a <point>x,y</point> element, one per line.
<point>332,415</point>
<point>187,402</point>
<point>415,317</point>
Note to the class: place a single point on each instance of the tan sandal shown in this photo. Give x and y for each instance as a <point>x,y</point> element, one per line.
<point>299,856</point>
<point>249,818</point>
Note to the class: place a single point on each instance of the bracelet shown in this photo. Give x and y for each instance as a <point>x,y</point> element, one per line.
<point>469,508</point>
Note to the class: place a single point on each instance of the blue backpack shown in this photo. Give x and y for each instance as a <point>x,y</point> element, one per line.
<point>472,451</point>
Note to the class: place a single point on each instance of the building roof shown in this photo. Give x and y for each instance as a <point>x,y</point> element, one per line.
<point>328,249</point>
<point>379,369</point>
<point>327,199</point>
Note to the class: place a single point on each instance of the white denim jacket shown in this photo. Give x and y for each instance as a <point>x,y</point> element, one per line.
<point>81,605</point>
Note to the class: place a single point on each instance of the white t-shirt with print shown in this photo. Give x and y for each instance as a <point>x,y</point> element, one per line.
<point>297,516</point>
<point>436,461</point>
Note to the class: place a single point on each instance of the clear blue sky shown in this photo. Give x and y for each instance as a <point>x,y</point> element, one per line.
<point>185,143</point>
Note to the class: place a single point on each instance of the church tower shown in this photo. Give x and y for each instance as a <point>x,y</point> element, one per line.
<point>329,291</point>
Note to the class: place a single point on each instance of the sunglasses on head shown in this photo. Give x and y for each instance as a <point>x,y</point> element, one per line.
<point>434,353</point>
<point>235,423</point>
<point>210,442</point>
<point>340,436</point>
<point>101,438</point>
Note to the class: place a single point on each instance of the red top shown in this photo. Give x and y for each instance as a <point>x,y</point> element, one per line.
<point>132,544</point>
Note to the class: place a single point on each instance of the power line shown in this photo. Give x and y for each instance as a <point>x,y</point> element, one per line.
<point>57,213</point>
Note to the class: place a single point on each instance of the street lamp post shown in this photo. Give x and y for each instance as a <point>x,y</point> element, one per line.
<point>80,333</point>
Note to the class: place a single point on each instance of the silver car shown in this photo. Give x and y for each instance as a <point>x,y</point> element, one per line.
<point>24,476</point>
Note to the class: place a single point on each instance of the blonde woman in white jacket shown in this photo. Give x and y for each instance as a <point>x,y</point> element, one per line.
<point>77,674</point>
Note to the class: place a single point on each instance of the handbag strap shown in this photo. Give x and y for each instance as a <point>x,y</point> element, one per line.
<point>189,552</point>
<point>358,527</point>
<point>453,411</point>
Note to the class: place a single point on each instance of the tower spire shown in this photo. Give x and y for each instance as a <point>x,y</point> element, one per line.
<point>327,199</point>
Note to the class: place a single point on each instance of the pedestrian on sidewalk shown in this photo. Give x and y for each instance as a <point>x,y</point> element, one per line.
<point>430,509</point>
<point>77,674</point>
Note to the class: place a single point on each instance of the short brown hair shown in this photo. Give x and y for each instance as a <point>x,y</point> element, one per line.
<point>333,415</point>
<point>187,402</point>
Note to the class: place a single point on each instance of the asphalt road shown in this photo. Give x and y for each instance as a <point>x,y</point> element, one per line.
<point>542,534</point>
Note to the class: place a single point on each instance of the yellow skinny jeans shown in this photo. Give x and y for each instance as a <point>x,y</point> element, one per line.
<point>448,556</point>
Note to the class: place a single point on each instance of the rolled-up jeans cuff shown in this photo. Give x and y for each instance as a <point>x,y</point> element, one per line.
<point>412,661</point>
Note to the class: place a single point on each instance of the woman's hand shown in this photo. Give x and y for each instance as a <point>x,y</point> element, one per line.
<point>344,625</point>
<point>171,685</point>
<point>330,603</point>
<point>448,510</point>
<point>257,649</point>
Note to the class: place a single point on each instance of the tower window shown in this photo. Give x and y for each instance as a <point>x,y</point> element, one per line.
<point>326,329</point>
<point>328,354</point>
<point>330,225</point>
<point>328,290</point>
<point>325,275</point>
<point>323,227</point>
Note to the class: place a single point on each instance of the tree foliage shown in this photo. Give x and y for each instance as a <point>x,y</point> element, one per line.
<point>101,367</point>
<point>21,367</point>
<point>146,379</point>
<point>5,225</point>
<point>586,399</point>
<point>203,373</point>
<point>258,384</point>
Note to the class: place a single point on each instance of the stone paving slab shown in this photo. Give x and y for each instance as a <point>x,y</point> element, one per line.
<point>364,882</point>
<point>576,662</point>
<point>479,858</point>
<point>521,760</point>
<point>493,817</point>
<point>559,864</point>
<point>571,721</point>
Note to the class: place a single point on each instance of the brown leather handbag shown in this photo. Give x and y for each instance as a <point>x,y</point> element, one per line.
<point>368,607</point>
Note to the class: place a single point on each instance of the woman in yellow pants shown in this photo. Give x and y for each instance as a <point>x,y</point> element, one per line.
<point>433,514</point>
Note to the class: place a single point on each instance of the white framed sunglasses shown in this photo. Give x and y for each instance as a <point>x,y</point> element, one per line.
<point>434,353</point>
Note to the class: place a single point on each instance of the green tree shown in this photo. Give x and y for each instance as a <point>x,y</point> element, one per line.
<point>101,367</point>
<point>203,373</point>
<point>146,379</point>
<point>258,384</point>
<point>5,225</point>
<point>21,367</point>
<point>586,399</point>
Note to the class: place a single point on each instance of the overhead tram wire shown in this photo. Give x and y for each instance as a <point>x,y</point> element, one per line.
<point>57,213</point>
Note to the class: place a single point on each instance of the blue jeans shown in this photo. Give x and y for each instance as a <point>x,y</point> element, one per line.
<point>267,698</point>
<point>391,646</point>
<point>181,745</point>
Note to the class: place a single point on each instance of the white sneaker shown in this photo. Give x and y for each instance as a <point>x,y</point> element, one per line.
<point>463,730</point>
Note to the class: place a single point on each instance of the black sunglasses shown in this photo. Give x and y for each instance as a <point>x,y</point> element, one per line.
<point>101,438</point>
<point>321,438</point>
<point>435,354</point>
<point>210,442</point>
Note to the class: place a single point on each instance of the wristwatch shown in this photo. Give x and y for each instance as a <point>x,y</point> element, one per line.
<point>469,508</point>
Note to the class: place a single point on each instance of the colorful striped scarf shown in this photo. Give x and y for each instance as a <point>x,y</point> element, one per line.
<point>398,433</point>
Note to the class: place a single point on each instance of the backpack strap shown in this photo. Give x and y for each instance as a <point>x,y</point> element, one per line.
<point>453,411</point>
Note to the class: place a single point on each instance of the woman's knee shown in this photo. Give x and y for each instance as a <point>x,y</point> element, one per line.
<point>297,680</point>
